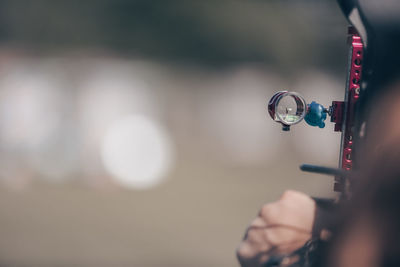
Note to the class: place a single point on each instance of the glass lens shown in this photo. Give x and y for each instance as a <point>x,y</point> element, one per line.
<point>290,108</point>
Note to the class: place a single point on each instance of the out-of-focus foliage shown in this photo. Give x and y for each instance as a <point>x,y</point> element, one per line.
<point>285,33</point>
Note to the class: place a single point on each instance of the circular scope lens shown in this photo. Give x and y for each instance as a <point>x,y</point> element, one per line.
<point>290,108</point>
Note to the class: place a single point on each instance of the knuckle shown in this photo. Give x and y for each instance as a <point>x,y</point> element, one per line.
<point>275,237</point>
<point>252,235</point>
<point>244,251</point>
<point>257,223</point>
<point>272,239</point>
<point>289,195</point>
<point>256,239</point>
<point>266,210</point>
<point>239,250</point>
<point>269,212</point>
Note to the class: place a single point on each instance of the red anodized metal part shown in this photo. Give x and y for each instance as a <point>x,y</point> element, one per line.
<point>351,98</point>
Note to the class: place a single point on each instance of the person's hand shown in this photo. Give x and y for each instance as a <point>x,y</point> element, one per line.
<point>280,228</point>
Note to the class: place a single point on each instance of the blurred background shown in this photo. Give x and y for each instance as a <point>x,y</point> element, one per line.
<point>135,133</point>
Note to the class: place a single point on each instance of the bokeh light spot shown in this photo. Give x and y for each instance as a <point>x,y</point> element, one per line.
<point>137,152</point>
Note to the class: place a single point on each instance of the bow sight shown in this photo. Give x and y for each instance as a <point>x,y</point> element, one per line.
<point>290,108</point>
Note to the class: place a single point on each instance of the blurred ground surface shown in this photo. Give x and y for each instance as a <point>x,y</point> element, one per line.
<point>197,219</point>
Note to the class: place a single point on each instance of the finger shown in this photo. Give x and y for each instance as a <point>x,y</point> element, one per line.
<point>257,238</point>
<point>258,223</point>
<point>289,261</point>
<point>250,255</point>
<point>245,251</point>
<point>270,213</point>
<point>285,239</point>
